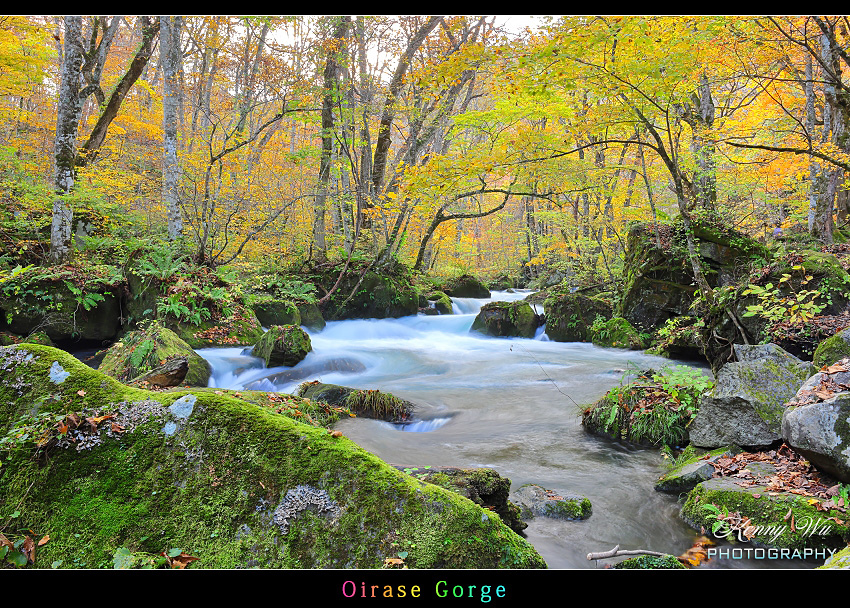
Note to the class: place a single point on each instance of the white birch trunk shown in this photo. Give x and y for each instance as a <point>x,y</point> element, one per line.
<point>170,34</point>
<point>64,147</point>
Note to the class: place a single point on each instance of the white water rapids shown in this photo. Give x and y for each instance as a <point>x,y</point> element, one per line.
<point>511,404</point>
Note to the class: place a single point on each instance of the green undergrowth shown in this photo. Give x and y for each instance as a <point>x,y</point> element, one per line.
<point>233,483</point>
<point>654,409</point>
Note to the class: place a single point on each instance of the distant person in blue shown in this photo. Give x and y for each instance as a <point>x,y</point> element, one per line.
<point>777,232</point>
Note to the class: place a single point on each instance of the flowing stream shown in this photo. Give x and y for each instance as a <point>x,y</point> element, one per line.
<point>511,404</point>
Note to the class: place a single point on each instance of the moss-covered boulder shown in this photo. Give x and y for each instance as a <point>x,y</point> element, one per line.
<point>746,405</point>
<point>38,337</point>
<point>653,409</point>
<point>66,302</point>
<point>659,280</point>
<point>145,349</point>
<point>757,515</point>
<point>311,315</point>
<point>442,302</point>
<point>466,286</point>
<point>506,319</point>
<point>363,402</point>
<point>234,484</point>
<point>617,333</point>
<point>569,316</point>
<point>482,486</point>
<point>273,311</point>
<point>283,345</point>
<point>377,296</point>
<point>832,349</point>
<point>685,476</point>
<point>816,422</point>
<point>534,501</point>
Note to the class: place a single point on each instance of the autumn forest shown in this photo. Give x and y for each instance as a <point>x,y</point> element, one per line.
<point>203,218</point>
<point>445,141</point>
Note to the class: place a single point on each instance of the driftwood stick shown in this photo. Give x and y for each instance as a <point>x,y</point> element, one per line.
<point>616,552</point>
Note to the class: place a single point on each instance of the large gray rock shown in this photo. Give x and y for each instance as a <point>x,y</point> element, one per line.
<point>816,422</point>
<point>746,405</point>
<point>536,501</point>
<point>506,319</point>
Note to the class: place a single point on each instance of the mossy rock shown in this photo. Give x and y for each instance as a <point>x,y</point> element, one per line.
<point>39,337</point>
<point>232,483</point>
<point>506,319</point>
<point>241,328</point>
<point>840,560</point>
<point>617,333</point>
<point>378,296</point>
<point>276,312</point>
<point>693,471</point>
<point>570,315</point>
<point>142,350</point>
<point>534,501</point>
<point>832,349</point>
<point>768,512</point>
<point>363,402</point>
<point>747,403</point>
<point>442,302</point>
<point>311,315</point>
<point>56,302</point>
<point>651,562</point>
<point>620,415</point>
<point>466,286</point>
<point>482,486</point>
<point>285,345</point>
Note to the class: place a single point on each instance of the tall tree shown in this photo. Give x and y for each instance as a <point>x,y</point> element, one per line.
<point>171,61</point>
<point>69,110</point>
<point>89,150</point>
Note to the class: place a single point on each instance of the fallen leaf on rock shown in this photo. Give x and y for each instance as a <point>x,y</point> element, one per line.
<point>5,542</point>
<point>181,561</point>
<point>28,549</point>
<point>95,420</point>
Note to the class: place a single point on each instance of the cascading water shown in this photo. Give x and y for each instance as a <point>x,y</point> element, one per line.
<point>510,404</point>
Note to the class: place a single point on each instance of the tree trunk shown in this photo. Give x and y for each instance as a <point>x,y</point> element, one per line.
<point>137,66</point>
<point>67,121</point>
<point>329,99</point>
<point>171,55</point>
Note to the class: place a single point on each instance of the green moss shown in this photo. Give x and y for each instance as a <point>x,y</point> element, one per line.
<point>241,328</point>
<point>142,350</point>
<point>283,345</point>
<point>617,333</point>
<point>831,350</point>
<point>651,562</point>
<point>271,311</point>
<point>769,514</point>
<point>220,480</point>
<point>506,319</point>
<point>442,302</point>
